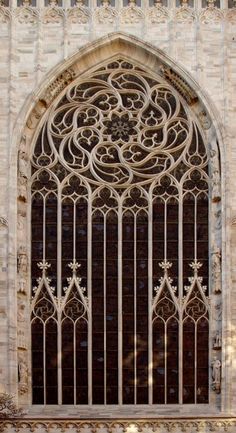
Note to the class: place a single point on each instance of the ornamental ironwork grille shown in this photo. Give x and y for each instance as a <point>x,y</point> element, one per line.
<point>119,238</point>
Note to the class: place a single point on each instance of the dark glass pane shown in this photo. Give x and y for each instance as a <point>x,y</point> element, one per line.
<point>81,354</point>
<point>158,362</point>
<point>172,361</point>
<point>51,362</point>
<point>67,362</point>
<point>188,361</point>
<point>202,360</point>
<point>37,361</point>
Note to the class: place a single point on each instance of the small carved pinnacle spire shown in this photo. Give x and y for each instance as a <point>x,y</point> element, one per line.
<point>105,3</point>
<point>26,3</point>
<point>79,3</point>
<point>132,3</point>
<point>210,3</point>
<point>74,266</point>
<point>195,265</point>
<point>165,265</point>
<point>53,3</point>
<point>44,266</point>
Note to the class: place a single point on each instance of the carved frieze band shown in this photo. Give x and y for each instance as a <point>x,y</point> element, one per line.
<point>155,425</point>
<point>131,14</point>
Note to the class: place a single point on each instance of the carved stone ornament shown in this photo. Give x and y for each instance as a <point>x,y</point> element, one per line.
<point>217,341</point>
<point>131,14</point>
<point>216,375</point>
<point>3,222</point>
<point>204,120</point>
<point>79,14</point>
<point>105,14</point>
<point>215,177</point>
<point>230,15</point>
<point>4,14</point>
<point>36,114</point>
<point>211,15</point>
<point>216,270</point>
<point>23,375</point>
<point>185,13</point>
<point>158,13</point>
<point>187,425</point>
<point>22,260</point>
<point>180,85</point>
<point>26,15</point>
<point>22,285</point>
<point>21,340</point>
<point>53,15</point>
<point>22,188</point>
<point>56,87</point>
<point>21,312</point>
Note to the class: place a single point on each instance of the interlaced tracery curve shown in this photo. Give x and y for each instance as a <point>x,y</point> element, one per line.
<point>120,127</point>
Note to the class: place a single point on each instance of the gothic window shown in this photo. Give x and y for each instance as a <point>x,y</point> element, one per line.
<point>120,311</point>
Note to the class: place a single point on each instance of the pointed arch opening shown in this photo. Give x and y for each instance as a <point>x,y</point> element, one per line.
<point>124,177</point>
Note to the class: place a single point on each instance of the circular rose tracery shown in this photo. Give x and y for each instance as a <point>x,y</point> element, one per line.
<point>120,127</point>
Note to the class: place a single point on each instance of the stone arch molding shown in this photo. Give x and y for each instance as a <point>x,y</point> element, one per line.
<point>91,57</point>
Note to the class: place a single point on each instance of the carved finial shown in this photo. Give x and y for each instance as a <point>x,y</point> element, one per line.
<point>211,3</point>
<point>74,266</point>
<point>105,3</point>
<point>44,266</point>
<point>165,265</point>
<point>79,3</point>
<point>132,3</point>
<point>26,3</point>
<point>53,3</point>
<point>195,266</point>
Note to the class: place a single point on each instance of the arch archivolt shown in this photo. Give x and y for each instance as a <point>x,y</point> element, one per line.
<point>125,126</point>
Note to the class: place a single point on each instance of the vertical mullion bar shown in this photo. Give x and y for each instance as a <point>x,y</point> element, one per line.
<point>59,342</point>
<point>74,231</point>
<point>74,356</point>
<point>195,228</point>
<point>89,284</point>
<point>104,306</point>
<point>180,290</point>
<point>165,359</point>
<point>120,315</point>
<point>165,232</point>
<point>44,227</point>
<point>195,364</point>
<point>150,291</point>
<point>135,309</point>
<point>44,364</point>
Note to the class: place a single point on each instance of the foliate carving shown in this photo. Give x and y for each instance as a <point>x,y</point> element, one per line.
<point>5,14</point>
<point>3,222</point>
<point>79,14</point>
<point>216,375</point>
<point>184,13</point>
<point>181,86</point>
<point>105,14</point>
<point>204,120</point>
<point>158,13</point>
<point>211,15</point>
<point>56,87</point>
<point>52,14</point>
<point>26,14</point>
<point>131,14</point>
<point>8,408</point>
<point>230,15</point>
<point>216,270</point>
<point>187,425</point>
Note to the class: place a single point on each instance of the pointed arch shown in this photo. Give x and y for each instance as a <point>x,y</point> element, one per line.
<point>173,90</point>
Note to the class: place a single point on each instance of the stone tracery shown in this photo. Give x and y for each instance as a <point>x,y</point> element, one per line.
<point>132,133</point>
